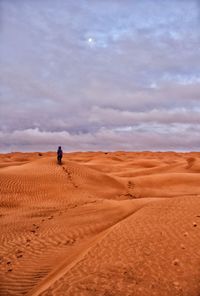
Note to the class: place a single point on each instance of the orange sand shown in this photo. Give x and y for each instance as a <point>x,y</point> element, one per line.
<point>100,224</point>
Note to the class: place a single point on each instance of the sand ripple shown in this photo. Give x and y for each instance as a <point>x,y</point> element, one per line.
<point>100,224</point>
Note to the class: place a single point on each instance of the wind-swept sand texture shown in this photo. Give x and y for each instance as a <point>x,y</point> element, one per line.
<point>100,224</point>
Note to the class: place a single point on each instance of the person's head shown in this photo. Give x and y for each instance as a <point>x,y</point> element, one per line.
<point>59,147</point>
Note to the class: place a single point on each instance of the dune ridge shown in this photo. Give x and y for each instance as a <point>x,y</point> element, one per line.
<point>117,223</point>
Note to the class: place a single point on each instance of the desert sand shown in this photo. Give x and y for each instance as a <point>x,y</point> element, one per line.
<point>118,223</point>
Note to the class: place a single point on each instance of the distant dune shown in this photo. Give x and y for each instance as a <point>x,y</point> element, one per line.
<point>107,224</point>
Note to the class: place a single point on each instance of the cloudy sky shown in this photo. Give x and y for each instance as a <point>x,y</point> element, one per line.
<point>99,75</point>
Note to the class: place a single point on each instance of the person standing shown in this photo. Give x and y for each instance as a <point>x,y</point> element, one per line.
<point>59,155</point>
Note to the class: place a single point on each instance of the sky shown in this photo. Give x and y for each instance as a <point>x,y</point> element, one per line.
<point>94,75</point>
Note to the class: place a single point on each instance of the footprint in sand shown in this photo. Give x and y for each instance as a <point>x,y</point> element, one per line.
<point>19,254</point>
<point>70,177</point>
<point>70,242</point>
<point>28,242</point>
<point>9,264</point>
<point>176,262</point>
<point>131,185</point>
<point>131,188</point>
<point>36,226</point>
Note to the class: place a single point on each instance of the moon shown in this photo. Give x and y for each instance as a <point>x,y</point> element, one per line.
<point>91,41</point>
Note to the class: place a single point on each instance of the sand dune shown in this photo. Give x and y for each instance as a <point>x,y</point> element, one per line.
<point>100,224</point>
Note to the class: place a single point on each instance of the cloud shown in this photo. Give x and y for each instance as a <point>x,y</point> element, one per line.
<point>135,139</point>
<point>117,118</point>
<point>142,71</point>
